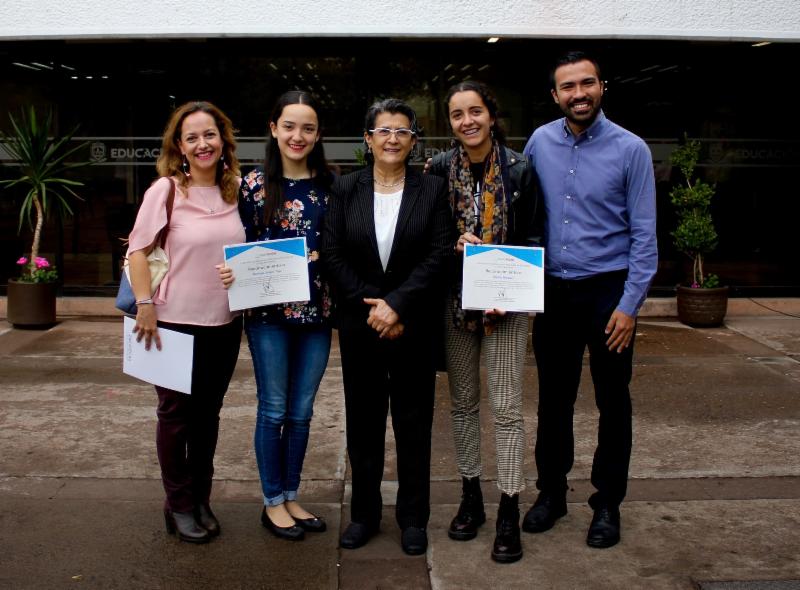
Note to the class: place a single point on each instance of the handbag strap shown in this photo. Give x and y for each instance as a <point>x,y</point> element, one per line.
<point>170,203</point>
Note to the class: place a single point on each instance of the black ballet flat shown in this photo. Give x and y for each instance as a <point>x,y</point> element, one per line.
<point>312,525</point>
<point>290,533</point>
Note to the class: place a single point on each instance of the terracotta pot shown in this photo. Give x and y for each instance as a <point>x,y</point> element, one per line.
<point>702,308</point>
<point>31,305</point>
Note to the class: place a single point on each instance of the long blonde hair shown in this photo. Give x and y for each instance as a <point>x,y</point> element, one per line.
<point>170,162</point>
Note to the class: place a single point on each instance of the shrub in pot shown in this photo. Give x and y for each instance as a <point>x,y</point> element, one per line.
<point>701,302</point>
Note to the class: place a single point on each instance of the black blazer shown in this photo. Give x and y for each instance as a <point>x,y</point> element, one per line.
<point>414,279</point>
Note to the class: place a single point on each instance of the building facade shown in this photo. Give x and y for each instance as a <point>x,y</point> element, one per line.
<point>702,69</point>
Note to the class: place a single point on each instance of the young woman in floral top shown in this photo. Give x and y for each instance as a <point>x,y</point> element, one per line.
<point>289,342</point>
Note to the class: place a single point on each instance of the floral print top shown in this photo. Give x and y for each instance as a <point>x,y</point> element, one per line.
<point>301,214</point>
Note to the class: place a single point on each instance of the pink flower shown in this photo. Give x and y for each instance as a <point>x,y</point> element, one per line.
<point>22,260</point>
<point>298,204</point>
<point>42,262</point>
<point>695,286</point>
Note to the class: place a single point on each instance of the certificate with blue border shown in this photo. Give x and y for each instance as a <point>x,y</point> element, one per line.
<point>510,278</point>
<point>265,273</point>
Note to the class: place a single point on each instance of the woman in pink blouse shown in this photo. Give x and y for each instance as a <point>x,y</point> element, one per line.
<point>198,156</point>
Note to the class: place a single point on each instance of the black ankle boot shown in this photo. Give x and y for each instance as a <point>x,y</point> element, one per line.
<point>207,519</point>
<point>470,513</point>
<point>185,526</point>
<point>507,546</point>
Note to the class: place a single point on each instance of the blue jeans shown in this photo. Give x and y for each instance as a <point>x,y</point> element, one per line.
<point>289,361</point>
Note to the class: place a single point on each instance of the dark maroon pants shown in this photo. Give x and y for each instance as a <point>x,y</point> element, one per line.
<point>186,435</point>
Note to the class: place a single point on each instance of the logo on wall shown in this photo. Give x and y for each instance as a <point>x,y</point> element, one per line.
<point>97,151</point>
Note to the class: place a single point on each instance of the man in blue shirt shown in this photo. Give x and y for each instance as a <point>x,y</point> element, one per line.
<point>601,254</point>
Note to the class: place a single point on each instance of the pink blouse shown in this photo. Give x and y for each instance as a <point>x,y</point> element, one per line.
<point>191,292</point>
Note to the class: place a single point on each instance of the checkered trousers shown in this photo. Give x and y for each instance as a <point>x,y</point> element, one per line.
<point>504,355</point>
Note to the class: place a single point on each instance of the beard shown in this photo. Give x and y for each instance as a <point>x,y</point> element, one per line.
<point>584,119</point>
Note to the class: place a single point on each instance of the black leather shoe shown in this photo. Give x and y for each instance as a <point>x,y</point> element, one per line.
<point>414,540</point>
<point>290,533</point>
<point>604,530</point>
<point>507,546</point>
<point>470,512</point>
<point>544,513</point>
<point>356,535</point>
<point>312,525</point>
<point>206,519</point>
<point>185,526</point>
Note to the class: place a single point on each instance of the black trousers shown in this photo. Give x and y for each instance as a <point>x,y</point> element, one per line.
<point>188,425</point>
<point>576,314</point>
<point>378,375</point>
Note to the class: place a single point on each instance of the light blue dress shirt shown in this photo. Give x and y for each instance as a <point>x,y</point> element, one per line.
<point>600,204</point>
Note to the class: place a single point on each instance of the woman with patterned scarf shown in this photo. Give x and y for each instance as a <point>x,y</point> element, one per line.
<point>494,200</point>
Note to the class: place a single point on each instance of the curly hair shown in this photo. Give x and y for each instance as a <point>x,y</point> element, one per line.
<point>170,161</point>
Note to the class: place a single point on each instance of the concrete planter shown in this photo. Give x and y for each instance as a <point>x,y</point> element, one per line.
<point>702,308</point>
<point>31,305</point>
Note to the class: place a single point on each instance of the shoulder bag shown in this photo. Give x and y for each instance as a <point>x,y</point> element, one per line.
<point>157,261</point>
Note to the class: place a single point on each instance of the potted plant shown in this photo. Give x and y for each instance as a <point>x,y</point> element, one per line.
<point>42,162</point>
<point>703,303</point>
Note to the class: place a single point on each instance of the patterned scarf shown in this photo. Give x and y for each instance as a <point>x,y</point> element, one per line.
<point>492,213</point>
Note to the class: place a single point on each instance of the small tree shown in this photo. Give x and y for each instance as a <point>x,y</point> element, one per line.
<point>695,235</point>
<point>41,161</point>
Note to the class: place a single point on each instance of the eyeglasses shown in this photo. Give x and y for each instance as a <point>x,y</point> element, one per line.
<point>385,132</point>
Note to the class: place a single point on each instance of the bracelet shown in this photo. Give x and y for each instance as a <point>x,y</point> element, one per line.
<point>147,301</point>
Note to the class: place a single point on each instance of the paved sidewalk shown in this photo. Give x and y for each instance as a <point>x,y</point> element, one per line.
<point>714,495</point>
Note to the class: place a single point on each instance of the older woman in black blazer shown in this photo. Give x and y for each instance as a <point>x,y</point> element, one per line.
<point>386,242</point>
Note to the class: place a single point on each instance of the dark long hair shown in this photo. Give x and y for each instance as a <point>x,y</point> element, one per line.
<point>273,165</point>
<point>487,96</point>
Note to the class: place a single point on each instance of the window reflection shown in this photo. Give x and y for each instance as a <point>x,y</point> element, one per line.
<point>122,92</point>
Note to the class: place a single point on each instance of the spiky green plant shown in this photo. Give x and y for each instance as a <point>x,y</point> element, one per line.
<point>42,163</point>
<point>695,235</point>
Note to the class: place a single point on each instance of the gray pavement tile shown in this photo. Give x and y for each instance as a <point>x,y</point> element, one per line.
<point>112,544</point>
<point>664,547</point>
<point>713,495</point>
<point>381,563</point>
<point>752,585</point>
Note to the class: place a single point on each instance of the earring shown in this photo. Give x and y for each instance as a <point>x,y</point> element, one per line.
<point>369,149</point>
<point>186,167</point>
<point>222,159</point>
